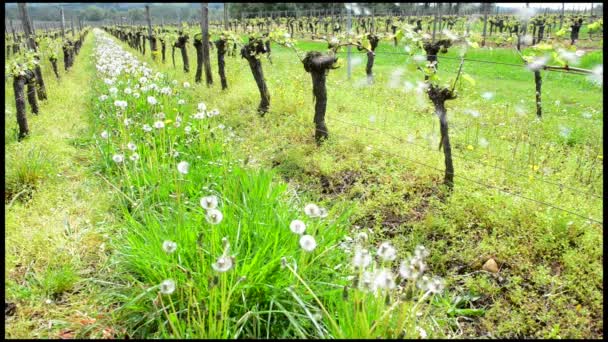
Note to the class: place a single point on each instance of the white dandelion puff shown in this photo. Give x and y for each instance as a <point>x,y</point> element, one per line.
<point>214,216</point>
<point>312,210</point>
<point>134,156</point>
<point>202,107</point>
<point>362,258</point>
<point>159,124</point>
<point>387,252</point>
<point>297,226</point>
<point>223,264</point>
<point>147,128</point>
<point>152,100</point>
<point>384,279</point>
<point>308,243</point>
<point>118,158</point>
<point>186,85</point>
<point>105,134</point>
<point>169,246</point>
<point>209,202</point>
<point>167,287</point>
<point>183,167</point>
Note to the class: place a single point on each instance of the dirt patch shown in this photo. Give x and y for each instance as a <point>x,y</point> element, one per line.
<point>338,183</point>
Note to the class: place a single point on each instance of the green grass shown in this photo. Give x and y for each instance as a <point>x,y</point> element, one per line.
<point>55,260</point>
<point>550,279</point>
<point>544,254</point>
<point>258,297</point>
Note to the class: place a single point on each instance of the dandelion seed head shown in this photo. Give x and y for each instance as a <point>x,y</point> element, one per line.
<point>312,210</point>
<point>297,226</point>
<point>308,243</point>
<point>214,216</point>
<point>118,158</point>
<point>387,252</point>
<point>223,264</point>
<point>105,134</point>
<point>209,202</point>
<point>362,258</point>
<point>169,246</point>
<point>167,287</point>
<point>183,167</point>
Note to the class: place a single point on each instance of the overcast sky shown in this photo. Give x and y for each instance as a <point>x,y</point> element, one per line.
<point>556,5</point>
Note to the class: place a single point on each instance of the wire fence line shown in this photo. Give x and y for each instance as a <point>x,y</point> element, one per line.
<point>460,156</point>
<point>489,186</point>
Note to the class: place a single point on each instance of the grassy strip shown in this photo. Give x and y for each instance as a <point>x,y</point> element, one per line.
<point>58,215</point>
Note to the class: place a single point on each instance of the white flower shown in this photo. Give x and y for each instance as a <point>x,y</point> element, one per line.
<point>421,252</point>
<point>143,80</point>
<point>423,283</point>
<point>120,104</point>
<point>169,246</point>
<point>174,82</point>
<point>362,258</point>
<point>128,91</point>
<point>387,252</point>
<point>384,279</point>
<point>362,236</point>
<point>186,85</point>
<point>297,227</point>
<point>134,156</point>
<point>136,95</point>
<point>308,243</point>
<point>159,124</point>
<point>128,121</point>
<point>435,285</point>
<point>221,126</point>
<point>202,107</point>
<point>214,112</point>
<point>214,216</point>
<point>152,100</point>
<point>105,134</point>
<point>103,97</point>
<point>131,146</point>
<point>412,268</point>
<point>187,129</point>
<point>118,158</point>
<point>113,90</point>
<point>421,331</point>
<point>181,102</point>
<point>167,287</point>
<point>209,202</point>
<point>323,212</point>
<point>108,81</point>
<point>199,116</point>
<point>223,264</point>
<point>166,91</point>
<point>160,115</point>
<point>183,167</point>
<point>312,210</point>
<point>147,128</point>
